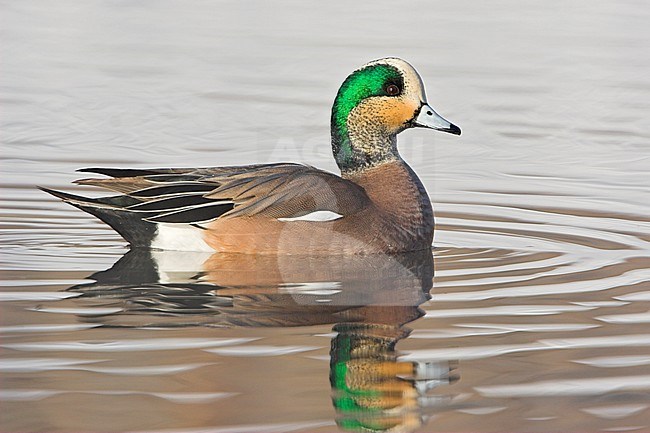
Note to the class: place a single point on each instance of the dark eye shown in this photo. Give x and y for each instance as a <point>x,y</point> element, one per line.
<point>392,89</point>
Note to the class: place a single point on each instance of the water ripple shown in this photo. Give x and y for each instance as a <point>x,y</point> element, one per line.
<point>127,345</point>
<point>552,388</point>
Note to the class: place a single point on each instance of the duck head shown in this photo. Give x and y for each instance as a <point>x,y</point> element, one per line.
<point>374,104</point>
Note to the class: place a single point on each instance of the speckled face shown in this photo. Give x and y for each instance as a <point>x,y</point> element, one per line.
<point>375,103</point>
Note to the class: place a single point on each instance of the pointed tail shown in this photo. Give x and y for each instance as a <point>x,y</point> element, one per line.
<point>130,225</point>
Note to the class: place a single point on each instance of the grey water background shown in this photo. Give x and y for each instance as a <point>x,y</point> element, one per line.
<point>540,301</point>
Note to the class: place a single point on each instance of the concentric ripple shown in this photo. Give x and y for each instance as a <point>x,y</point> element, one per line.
<point>532,307</point>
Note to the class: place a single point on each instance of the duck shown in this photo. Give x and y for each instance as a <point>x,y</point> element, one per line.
<point>377,205</point>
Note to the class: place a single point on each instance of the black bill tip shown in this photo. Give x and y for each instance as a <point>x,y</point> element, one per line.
<point>453,129</point>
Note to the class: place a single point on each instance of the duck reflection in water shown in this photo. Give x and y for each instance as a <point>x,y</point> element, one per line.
<point>369,300</point>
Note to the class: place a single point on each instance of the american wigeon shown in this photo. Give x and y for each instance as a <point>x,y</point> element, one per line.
<point>377,205</point>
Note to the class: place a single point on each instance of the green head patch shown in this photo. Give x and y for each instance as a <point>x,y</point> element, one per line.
<point>374,80</point>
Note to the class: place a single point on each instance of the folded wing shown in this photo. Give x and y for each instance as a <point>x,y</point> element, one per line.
<point>193,196</point>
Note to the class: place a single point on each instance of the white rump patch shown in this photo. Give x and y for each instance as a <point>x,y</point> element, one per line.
<point>319,215</point>
<point>179,237</point>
